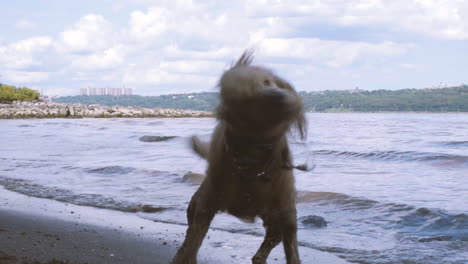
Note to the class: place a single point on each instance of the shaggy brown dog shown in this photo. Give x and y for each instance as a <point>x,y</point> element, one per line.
<point>249,172</point>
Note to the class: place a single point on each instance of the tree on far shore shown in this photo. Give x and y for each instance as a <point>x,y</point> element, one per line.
<point>450,99</point>
<point>10,93</point>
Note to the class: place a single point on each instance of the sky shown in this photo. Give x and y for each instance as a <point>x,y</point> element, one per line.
<point>182,46</point>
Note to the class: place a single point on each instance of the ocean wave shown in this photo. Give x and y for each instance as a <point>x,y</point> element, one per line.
<point>421,224</point>
<point>348,202</point>
<point>111,170</point>
<point>155,123</point>
<point>422,235</point>
<point>66,124</point>
<point>427,225</point>
<point>453,143</point>
<point>121,170</point>
<point>129,121</point>
<point>396,155</point>
<point>85,199</point>
<point>417,229</point>
<point>448,253</point>
<point>344,201</point>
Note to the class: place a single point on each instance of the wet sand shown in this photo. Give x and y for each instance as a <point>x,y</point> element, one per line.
<point>37,238</point>
<point>39,231</point>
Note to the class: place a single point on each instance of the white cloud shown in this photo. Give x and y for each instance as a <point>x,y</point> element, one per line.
<point>31,45</point>
<point>147,26</point>
<point>174,51</point>
<point>186,42</point>
<point>24,53</point>
<point>25,76</point>
<point>90,34</point>
<point>92,43</point>
<point>329,52</point>
<point>191,66</point>
<point>437,18</point>
<point>157,77</point>
<point>105,59</point>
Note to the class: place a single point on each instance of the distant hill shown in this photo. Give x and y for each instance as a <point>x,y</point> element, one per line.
<point>453,99</point>
<point>193,101</point>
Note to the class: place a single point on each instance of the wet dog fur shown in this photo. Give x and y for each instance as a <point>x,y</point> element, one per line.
<point>249,163</point>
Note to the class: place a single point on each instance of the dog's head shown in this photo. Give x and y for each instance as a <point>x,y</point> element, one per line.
<point>256,102</point>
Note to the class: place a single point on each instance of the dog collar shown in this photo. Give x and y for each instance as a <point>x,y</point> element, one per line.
<point>251,158</point>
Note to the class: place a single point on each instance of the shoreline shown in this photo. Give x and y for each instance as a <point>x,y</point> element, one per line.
<point>37,229</point>
<point>386,112</point>
<point>25,110</point>
<point>48,110</point>
<point>33,238</point>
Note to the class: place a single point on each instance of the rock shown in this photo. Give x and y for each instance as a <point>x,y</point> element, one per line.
<point>155,138</point>
<point>436,238</point>
<point>147,112</point>
<point>63,111</point>
<point>152,209</point>
<point>313,221</point>
<point>51,109</point>
<point>195,178</point>
<point>125,111</point>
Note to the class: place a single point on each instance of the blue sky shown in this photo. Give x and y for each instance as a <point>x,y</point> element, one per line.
<point>180,46</point>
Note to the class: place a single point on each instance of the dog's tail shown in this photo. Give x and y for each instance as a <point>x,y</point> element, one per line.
<point>200,147</point>
<point>303,167</point>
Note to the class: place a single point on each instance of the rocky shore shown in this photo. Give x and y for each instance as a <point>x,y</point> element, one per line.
<point>60,110</point>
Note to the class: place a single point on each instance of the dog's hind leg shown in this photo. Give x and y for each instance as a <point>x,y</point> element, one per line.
<point>289,231</point>
<point>199,215</point>
<point>272,238</point>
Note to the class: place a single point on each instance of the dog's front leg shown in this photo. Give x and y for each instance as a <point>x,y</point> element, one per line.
<point>199,214</point>
<point>289,230</point>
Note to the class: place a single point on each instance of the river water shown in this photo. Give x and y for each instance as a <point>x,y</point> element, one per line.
<point>393,187</point>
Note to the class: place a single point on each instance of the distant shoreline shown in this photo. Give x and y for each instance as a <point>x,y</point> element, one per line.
<point>23,110</point>
<point>453,99</point>
<point>387,112</point>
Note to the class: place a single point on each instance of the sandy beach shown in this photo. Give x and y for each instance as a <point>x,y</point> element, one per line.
<point>35,230</point>
<point>29,238</point>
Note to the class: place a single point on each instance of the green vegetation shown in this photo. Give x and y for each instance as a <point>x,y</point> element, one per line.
<point>9,93</point>
<point>453,99</point>
<point>194,101</point>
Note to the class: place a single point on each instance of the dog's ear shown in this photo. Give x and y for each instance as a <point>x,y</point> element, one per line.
<point>300,122</point>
